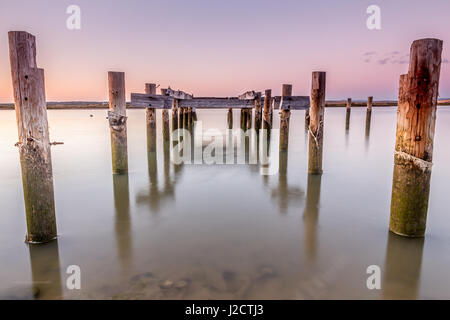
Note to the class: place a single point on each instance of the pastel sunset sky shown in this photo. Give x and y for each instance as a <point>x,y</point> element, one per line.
<point>223,48</point>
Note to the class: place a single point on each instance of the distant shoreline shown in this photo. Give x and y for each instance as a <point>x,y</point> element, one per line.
<point>82,105</point>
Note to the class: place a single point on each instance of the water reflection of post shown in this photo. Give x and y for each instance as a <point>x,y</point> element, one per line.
<point>45,271</point>
<point>402,268</point>
<point>283,191</point>
<point>311,214</point>
<point>123,221</point>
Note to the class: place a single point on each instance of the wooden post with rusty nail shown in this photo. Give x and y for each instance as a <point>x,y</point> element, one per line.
<point>34,142</point>
<point>416,118</point>
<point>284,118</point>
<point>316,122</point>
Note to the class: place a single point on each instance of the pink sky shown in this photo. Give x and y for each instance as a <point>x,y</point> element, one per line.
<point>223,48</point>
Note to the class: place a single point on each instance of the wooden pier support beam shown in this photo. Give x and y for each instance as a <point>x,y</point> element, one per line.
<point>175,114</point>
<point>347,114</point>
<point>416,118</point>
<point>230,118</point>
<point>267,109</point>
<point>369,104</point>
<point>284,118</point>
<point>34,142</point>
<point>316,122</point>
<point>118,122</point>
<point>150,116</point>
<point>258,112</point>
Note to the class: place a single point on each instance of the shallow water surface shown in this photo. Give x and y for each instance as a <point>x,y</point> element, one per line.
<point>168,231</point>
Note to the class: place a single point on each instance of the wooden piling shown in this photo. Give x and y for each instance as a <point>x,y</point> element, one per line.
<point>249,118</point>
<point>416,118</point>
<point>368,115</point>
<point>267,109</point>
<point>230,118</point>
<point>258,112</point>
<point>349,103</point>
<point>34,142</point>
<point>175,114</point>
<point>150,116</point>
<point>243,119</point>
<point>369,104</point>
<point>284,118</point>
<point>316,122</point>
<point>118,122</point>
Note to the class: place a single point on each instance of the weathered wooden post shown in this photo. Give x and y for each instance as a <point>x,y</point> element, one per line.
<point>243,119</point>
<point>316,122</point>
<point>34,141</point>
<point>150,116</point>
<point>284,118</point>
<point>369,104</point>
<point>230,118</point>
<point>248,121</point>
<point>368,115</point>
<point>267,109</point>
<point>165,122</point>
<point>118,122</point>
<point>347,114</point>
<point>258,112</point>
<point>175,114</point>
<point>349,103</point>
<point>416,118</point>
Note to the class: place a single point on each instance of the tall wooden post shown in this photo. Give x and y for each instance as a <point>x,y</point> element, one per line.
<point>369,103</point>
<point>316,122</point>
<point>243,119</point>
<point>347,114</point>
<point>258,112</point>
<point>368,115</point>
<point>267,109</point>
<point>248,113</point>
<point>150,116</point>
<point>230,118</point>
<point>175,114</point>
<point>284,118</point>
<point>34,141</point>
<point>416,118</point>
<point>118,122</point>
<point>165,123</point>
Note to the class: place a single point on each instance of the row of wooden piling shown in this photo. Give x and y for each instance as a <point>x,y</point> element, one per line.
<point>413,149</point>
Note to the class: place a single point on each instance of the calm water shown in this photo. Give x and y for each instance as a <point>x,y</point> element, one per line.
<point>223,231</point>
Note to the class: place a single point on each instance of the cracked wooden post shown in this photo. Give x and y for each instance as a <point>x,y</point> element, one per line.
<point>284,118</point>
<point>118,122</point>
<point>258,112</point>
<point>230,118</point>
<point>267,109</point>
<point>34,142</point>
<point>416,118</point>
<point>316,122</point>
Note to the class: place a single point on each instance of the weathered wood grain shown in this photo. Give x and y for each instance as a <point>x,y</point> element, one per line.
<point>416,120</point>
<point>316,122</point>
<point>34,142</point>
